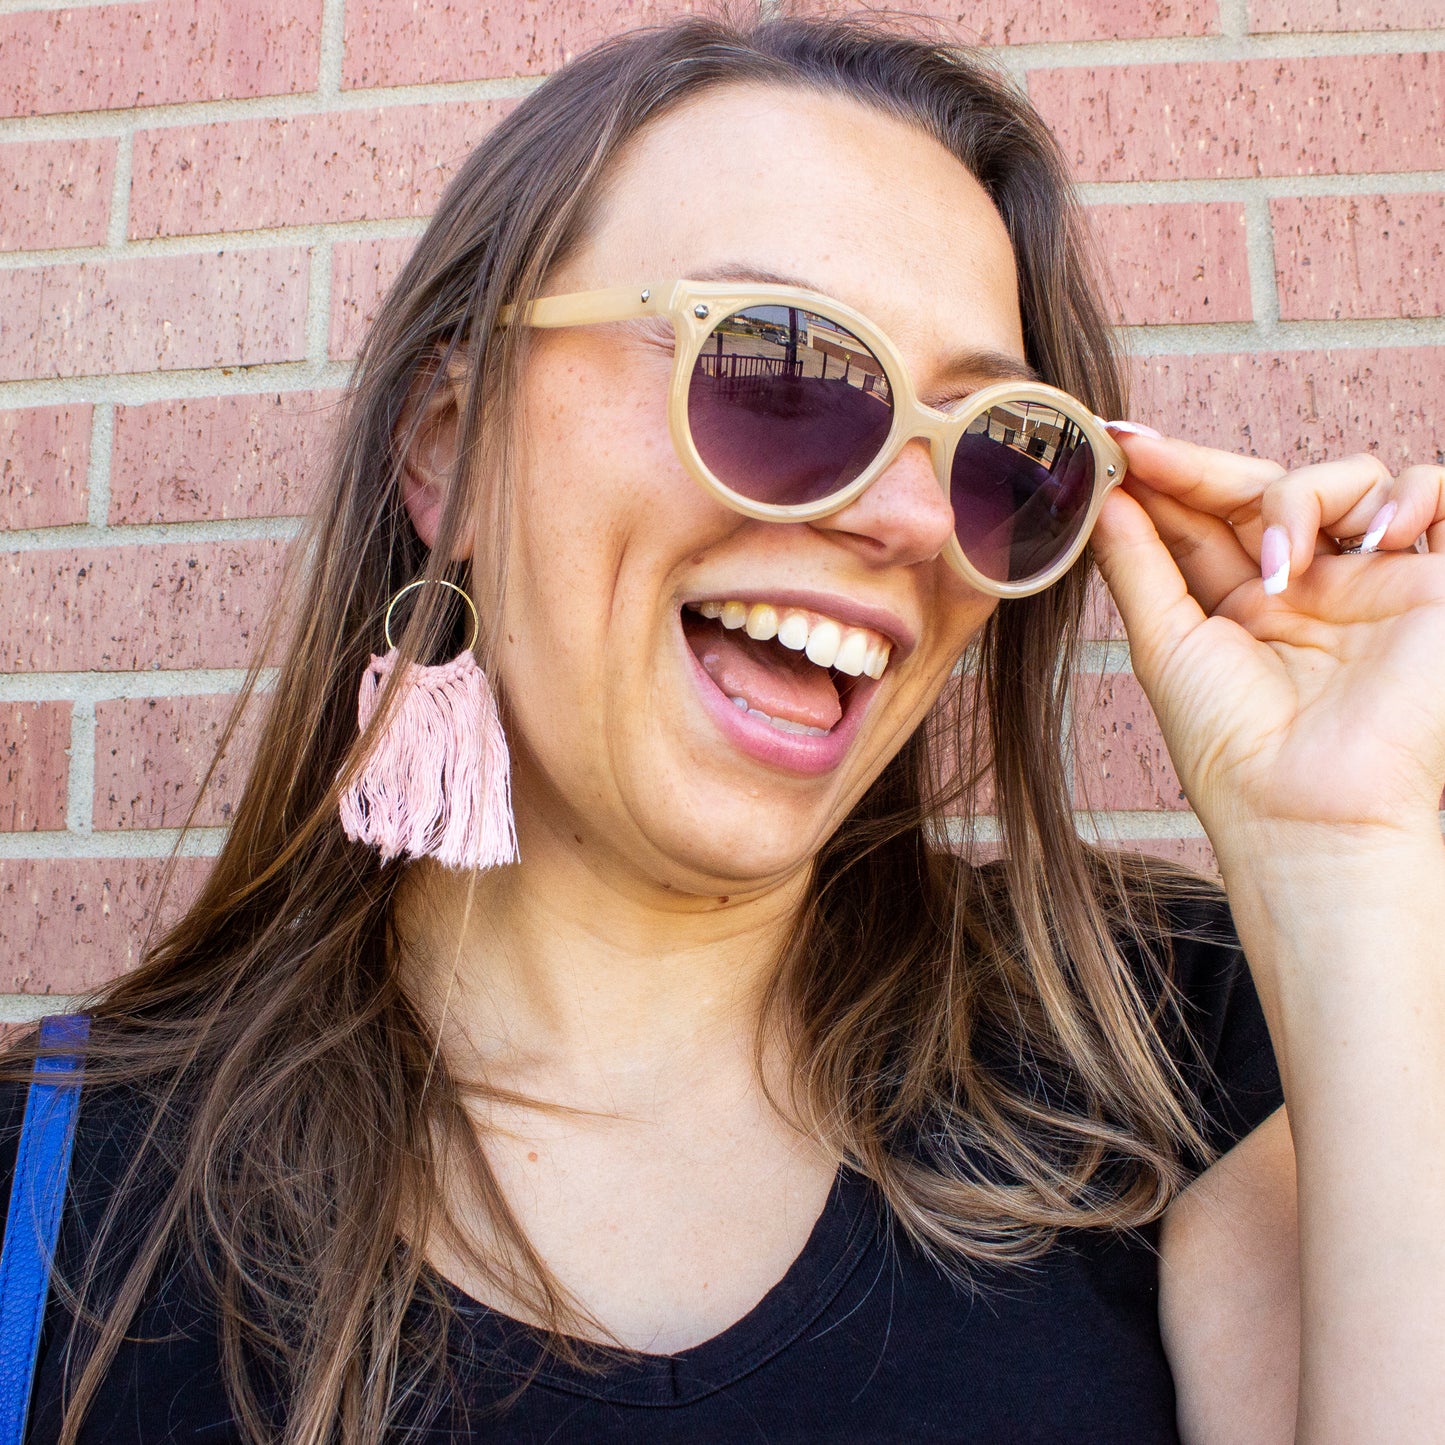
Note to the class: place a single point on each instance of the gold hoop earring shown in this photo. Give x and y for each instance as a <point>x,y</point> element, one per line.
<point>435,782</point>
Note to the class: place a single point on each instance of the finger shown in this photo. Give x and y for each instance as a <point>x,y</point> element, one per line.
<point>1149,589</point>
<point>1205,549</point>
<point>1354,497</point>
<point>1204,478</point>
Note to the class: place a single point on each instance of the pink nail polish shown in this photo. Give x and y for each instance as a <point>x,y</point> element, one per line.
<point>1132,428</point>
<point>1274,560</point>
<point>1379,527</point>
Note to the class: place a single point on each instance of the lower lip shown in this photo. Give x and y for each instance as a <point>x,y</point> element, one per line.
<point>802,753</point>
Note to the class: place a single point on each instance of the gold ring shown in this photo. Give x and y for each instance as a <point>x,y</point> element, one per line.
<point>422,582</point>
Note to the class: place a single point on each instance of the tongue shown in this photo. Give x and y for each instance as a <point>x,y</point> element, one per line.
<point>773,679</point>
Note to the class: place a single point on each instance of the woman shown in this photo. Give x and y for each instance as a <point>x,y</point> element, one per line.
<point>742,1108</point>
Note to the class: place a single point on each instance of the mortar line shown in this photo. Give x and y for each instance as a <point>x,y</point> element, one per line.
<point>97,471</point>
<point>119,222</point>
<point>120,843</point>
<point>332,47</point>
<point>96,687</point>
<point>207,243</point>
<point>1260,258</point>
<point>318,303</point>
<point>86,124</point>
<point>25,1008</point>
<point>80,785</point>
<point>151,534</point>
<point>1234,19</point>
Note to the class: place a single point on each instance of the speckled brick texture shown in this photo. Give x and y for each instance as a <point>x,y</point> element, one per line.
<point>55,193</point>
<point>1359,256</point>
<point>984,22</point>
<point>361,273</point>
<point>44,457</point>
<point>400,42</point>
<point>1175,263</point>
<point>1301,406</point>
<point>1327,115</point>
<point>73,924</point>
<point>220,456</point>
<point>1294,17</point>
<point>107,57</point>
<point>127,609</point>
<point>162,313</point>
<point>151,756</point>
<point>1121,761</point>
<point>34,742</point>
<point>351,166</point>
<point>204,202</point>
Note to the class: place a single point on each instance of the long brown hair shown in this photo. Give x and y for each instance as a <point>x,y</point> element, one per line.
<point>295,1103</point>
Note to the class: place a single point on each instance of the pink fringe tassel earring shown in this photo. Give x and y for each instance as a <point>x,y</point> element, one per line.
<point>437,781</point>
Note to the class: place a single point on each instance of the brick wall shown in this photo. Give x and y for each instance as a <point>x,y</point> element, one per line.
<point>201,201</point>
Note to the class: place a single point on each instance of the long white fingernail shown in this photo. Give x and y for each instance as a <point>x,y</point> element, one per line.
<point>1274,560</point>
<point>1132,428</point>
<point>1379,527</point>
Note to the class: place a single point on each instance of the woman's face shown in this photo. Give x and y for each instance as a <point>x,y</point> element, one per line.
<point>625,736</point>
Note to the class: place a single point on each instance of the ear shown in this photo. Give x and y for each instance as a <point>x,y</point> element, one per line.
<point>429,467</point>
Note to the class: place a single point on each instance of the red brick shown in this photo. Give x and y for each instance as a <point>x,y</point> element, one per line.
<point>55,193</point>
<point>44,457</point>
<point>1176,263</point>
<point>1315,115</point>
<point>1191,852</point>
<point>120,609</point>
<point>107,57</point>
<point>1319,15</point>
<point>1122,761</point>
<point>151,754</point>
<point>34,748</point>
<point>361,272</point>
<point>1300,406</point>
<point>166,313</point>
<point>1359,256</point>
<point>401,42</point>
<point>220,456</point>
<point>982,22</point>
<point>73,924</point>
<point>1102,622</point>
<point>349,166</point>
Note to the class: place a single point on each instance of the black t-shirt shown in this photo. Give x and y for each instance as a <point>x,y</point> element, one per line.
<point>862,1340</point>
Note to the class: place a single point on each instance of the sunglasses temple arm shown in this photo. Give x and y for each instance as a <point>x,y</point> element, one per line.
<point>590,308</point>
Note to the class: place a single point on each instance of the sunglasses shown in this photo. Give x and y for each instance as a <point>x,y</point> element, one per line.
<point>785,405</point>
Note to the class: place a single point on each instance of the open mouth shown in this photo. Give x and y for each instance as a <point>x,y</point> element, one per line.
<point>794,669</point>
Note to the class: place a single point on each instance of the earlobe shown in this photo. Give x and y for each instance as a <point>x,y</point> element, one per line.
<point>431,455</point>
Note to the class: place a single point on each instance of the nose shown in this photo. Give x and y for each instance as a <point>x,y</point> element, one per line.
<point>903,516</point>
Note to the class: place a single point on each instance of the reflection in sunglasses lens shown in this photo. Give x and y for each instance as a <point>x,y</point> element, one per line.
<point>786,406</point>
<point>1022,480</point>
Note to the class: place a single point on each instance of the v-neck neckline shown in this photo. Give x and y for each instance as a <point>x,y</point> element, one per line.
<point>848,1223</point>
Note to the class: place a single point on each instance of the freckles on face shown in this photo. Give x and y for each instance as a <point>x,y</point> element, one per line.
<point>709,692</point>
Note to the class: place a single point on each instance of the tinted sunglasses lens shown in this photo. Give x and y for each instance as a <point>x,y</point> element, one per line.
<point>786,406</point>
<point>1022,481</point>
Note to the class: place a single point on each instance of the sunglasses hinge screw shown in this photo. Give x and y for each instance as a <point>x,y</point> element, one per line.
<point>647,295</point>
<point>1110,471</point>
<point>700,311</point>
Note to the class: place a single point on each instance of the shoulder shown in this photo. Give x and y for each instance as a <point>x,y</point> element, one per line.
<point>110,1123</point>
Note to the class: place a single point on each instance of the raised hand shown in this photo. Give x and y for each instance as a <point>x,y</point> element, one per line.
<point>1317,700</point>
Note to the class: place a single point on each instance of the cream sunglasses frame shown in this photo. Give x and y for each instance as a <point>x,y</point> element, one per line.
<point>695,307</point>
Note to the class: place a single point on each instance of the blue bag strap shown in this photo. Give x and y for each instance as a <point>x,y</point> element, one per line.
<point>32,1226</point>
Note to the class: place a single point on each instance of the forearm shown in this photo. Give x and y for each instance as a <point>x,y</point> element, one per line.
<point>1349,956</point>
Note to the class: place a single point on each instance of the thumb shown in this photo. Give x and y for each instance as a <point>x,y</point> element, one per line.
<point>1158,611</point>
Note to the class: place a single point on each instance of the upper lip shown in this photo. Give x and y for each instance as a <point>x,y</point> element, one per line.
<point>843,609</point>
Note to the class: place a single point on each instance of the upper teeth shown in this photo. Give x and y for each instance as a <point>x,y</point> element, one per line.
<point>853,650</point>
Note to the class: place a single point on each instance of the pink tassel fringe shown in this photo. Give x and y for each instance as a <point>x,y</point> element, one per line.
<point>437,783</point>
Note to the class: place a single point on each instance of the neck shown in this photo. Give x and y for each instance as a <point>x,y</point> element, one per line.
<point>567,973</point>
